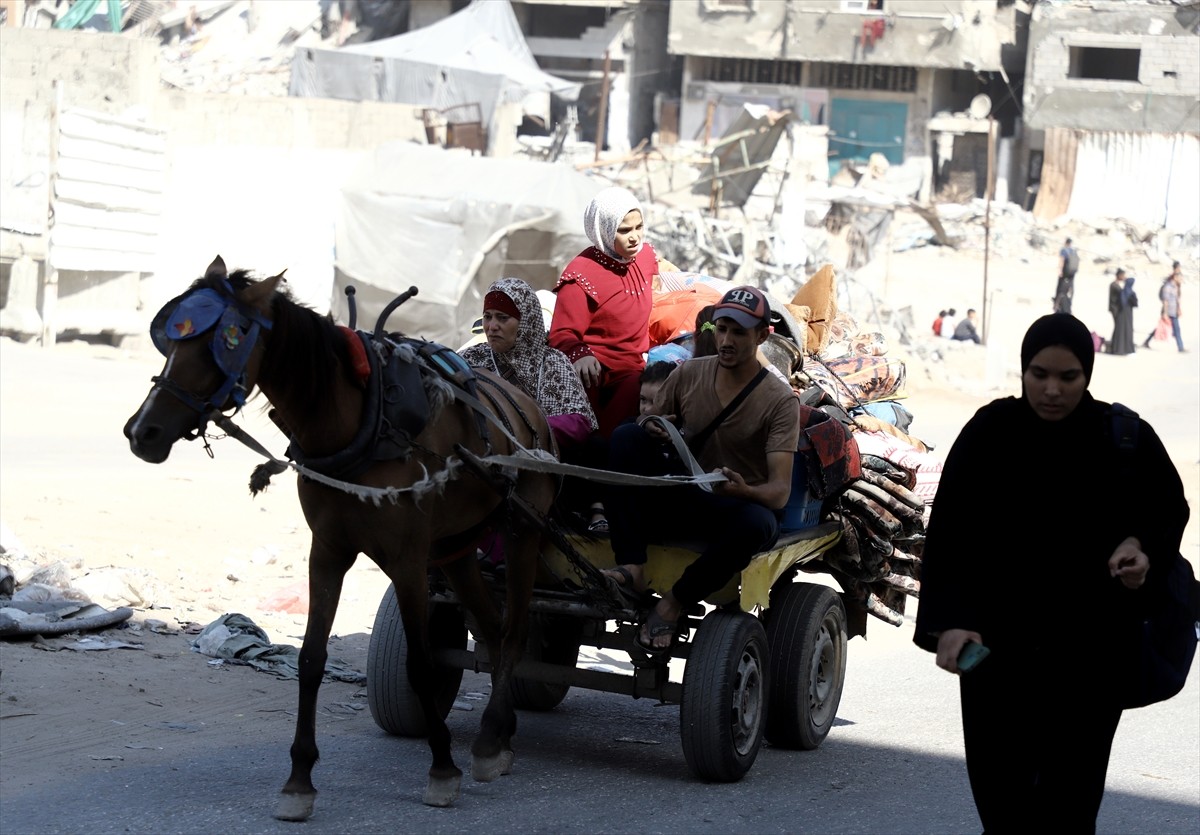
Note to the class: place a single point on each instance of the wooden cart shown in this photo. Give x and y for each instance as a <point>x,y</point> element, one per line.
<point>766,657</point>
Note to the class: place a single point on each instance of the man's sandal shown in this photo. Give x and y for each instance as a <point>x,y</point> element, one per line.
<point>626,586</point>
<point>656,626</point>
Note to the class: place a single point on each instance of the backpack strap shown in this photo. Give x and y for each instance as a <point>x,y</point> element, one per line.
<point>1125,423</point>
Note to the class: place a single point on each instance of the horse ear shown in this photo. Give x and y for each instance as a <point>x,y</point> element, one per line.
<point>217,269</point>
<point>258,294</point>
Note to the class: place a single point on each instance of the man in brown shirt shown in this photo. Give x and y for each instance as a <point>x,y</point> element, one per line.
<point>753,446</point>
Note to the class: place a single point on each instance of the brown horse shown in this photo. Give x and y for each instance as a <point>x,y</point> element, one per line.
<point>227,334</point>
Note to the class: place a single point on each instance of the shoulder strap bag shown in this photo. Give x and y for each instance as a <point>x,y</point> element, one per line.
<point>697,441</point>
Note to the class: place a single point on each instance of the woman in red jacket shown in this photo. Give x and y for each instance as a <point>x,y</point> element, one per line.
<point>602,313</point>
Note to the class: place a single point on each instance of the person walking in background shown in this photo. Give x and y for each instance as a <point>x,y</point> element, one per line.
<point>1041,755</point>
<point>1168,294</point>
<point>1121,302</point>
<point>966,331</point>
<point>1068,265</point>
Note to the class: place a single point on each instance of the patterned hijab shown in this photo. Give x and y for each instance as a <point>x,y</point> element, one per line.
<point>603,216</point>
<point>544,373</point>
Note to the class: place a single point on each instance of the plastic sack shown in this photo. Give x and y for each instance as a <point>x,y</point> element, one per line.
<point>1163,329</point>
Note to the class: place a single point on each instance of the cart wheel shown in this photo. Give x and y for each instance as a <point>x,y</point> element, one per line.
<point>806,633</point>
<point>554,639</point>
<point>724,703</point>
<point>392,700</point>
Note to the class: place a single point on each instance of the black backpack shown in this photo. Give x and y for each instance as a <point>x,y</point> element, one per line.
<point>1170,626</point>
<point>1072,262</point>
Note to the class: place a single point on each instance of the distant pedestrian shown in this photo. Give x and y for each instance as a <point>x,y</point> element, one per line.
<point>937,323</point>
<point>1168,294</point>
<point>949,323</point>
<point>1068,265</point>
<point>966,331</point>
<point>1121,301</point>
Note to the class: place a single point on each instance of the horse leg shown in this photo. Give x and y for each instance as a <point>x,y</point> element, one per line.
<point>487,623</point>
<point>491,753</point>
<point>445,778</point>
<point>326,571</point>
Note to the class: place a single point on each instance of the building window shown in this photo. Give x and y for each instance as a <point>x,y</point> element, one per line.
<point>749,71</point>
<point>1104,63</point>
<point>728,5</point>
<point>864,77</point>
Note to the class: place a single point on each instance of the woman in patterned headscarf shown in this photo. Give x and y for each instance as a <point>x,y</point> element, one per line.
<point>517,350</point>
<point>602,314</point>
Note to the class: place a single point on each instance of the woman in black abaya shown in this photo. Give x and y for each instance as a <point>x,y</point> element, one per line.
<point>1121,301</point>
<point>1039,713</point>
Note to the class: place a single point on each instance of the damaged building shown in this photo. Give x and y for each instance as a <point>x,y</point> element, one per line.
<point>875,72</point>
<point>1112,101</point>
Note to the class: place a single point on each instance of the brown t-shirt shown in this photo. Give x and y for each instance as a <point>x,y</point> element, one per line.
<point>768,420</point>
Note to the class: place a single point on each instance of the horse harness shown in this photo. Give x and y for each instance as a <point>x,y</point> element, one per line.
<point>239,326</point>
<point>390,371</point>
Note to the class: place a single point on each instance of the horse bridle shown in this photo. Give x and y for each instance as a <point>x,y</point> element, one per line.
<point>238,326</point>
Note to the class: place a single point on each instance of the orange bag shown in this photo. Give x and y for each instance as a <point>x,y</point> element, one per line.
<point>674,313</point>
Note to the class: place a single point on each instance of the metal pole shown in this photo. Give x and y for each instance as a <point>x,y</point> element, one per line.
<point>602,116</point>
<point>987,221</point>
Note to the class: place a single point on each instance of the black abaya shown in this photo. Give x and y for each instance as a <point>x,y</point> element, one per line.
<point>1040,712</point>
<point>1122,313</point>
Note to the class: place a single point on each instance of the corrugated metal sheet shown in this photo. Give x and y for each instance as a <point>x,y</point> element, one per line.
<point>107,196</point>
<point>1148,178</point>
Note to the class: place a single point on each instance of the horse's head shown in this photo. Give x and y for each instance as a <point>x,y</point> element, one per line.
<point>211,337</point>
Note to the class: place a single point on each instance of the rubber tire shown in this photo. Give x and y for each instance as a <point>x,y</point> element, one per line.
<point>393,701</point>
<point>554,639</point>
<point>725,684</point>
<point>806,634</point>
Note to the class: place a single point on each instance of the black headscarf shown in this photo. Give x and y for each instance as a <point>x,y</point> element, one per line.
<point>1059,329</point>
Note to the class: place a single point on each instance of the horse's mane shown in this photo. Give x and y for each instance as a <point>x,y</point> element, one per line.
<point>305,348</point>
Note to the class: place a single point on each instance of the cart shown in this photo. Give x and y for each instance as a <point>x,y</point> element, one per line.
<point>776,674</point>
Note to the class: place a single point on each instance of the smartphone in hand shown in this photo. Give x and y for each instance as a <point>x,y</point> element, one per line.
<point>970,656</point>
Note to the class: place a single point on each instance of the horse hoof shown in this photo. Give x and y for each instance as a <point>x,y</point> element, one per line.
<point>442,791</point>
<point>295,807</point>
<point>487,769</point>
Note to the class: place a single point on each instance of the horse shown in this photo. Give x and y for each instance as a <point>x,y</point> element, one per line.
<point>228,335</point>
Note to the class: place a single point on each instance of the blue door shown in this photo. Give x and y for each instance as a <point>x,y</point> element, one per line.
<point>860,128</point>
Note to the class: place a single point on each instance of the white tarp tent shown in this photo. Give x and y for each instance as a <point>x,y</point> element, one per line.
<point>451,223</point>
<point>1147,178</point>
<point>476,56</point>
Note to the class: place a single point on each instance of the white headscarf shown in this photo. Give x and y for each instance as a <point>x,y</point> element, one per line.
<point>603,216</point>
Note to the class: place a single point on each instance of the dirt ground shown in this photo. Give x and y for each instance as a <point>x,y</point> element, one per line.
<point>183,543</point>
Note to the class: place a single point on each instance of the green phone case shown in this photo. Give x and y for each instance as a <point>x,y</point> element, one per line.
<point>970,656</point>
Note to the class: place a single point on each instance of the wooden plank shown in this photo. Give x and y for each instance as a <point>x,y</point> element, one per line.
<point>1058,173</point>
<point>93,149</point>
<point>90,217</point>
<point>77,127</point>
<point>70,258</point>
<point>108,197</point>
<point>97,117</point>
<point>104,173</point>
<point>80,237</point>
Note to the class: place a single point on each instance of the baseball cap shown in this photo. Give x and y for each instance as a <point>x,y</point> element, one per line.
<point>745,305</point>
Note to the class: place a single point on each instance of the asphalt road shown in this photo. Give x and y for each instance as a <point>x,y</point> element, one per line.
<point>607,763</point>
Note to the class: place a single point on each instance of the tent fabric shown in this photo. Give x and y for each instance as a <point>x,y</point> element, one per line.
<point>475,56</point>
<point>414,215</point>
<point>1147,178</point>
